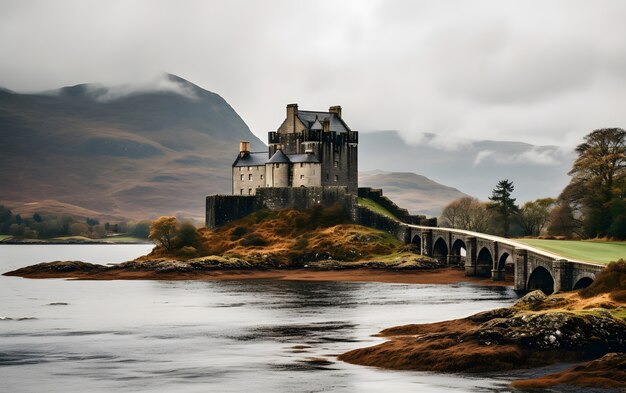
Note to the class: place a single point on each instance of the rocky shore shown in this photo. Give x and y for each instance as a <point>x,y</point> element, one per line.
<point>403,269</point>
<point>536,331</point>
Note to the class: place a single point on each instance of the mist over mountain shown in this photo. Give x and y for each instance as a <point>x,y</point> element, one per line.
<point>160,147</point>
<point>471,166</point>
<point>131,151</point>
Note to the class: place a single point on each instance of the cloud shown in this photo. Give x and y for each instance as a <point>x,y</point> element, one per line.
<point>539,156</point>
<point>160,83</point>
<point>540,72</point>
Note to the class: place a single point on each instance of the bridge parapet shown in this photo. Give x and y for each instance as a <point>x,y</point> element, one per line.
<point>487,255</point>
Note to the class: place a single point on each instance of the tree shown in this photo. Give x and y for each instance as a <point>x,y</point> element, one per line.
<point>503,205</point>
<point>187,236</point>
<point>466,213</point>
<point>598,184</point>
<point>562,221</point>
<point>164,230</point>
<point>92,221</point>
<point>533,216</point>
<point>37,217</point>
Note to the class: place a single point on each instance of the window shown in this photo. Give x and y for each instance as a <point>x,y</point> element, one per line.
<point>250,177</point>
<point>241,192</point>
<point>241,177</point>
<point>336,164</point>
<point>327,176</point>
<point>336,178</point>
<point>261,177</point>
<point>240,168</point>
<point>249,191</point>
<point>301,165</point>
<point>277,165</point>
<point>301,177</point>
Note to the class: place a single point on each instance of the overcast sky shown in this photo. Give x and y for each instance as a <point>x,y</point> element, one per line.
<point>543,72</point>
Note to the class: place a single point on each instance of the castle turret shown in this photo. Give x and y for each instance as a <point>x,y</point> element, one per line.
<point>277,169</point>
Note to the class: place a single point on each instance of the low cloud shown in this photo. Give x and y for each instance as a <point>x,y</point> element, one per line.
<point>161,83</point>
<point>540,156</point>
<point>545,73</point>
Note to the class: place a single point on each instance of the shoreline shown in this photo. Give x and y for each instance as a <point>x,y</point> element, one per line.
<point>444,275</point>
<point>40,242</point>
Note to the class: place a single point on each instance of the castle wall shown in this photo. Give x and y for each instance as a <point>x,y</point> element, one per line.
<point>307,174</point>
<point>339,163</point>
<point>247,179</point>
<point>222,209</point>
<point>301,198</point>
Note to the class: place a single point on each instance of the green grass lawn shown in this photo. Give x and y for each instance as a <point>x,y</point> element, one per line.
<point>2,237</point>
<point>370,204</point>
<point>596,252</point>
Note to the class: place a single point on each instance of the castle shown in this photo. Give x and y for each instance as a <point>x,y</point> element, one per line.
<point>312,160</point>
<point>309,149</point>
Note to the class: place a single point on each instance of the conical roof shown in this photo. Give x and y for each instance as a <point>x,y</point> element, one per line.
<point>278,158</point>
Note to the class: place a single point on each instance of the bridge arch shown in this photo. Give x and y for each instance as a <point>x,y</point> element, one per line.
<point>502,261</point>
<point>458,252</point>
<point>583,283</point>
<point>484,262</point>
<point>417,243</point>
<point>541,278</point>
<point>440,250</point>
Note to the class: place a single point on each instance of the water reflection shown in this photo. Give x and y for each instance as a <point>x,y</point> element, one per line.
<point>222,336</point>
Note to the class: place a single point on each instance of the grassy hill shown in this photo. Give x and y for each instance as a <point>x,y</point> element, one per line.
<point>138,154</point>
<point>418,194</point>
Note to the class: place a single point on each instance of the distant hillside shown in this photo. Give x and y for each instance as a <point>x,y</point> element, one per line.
<point>118,152</point>
<point>417,193</point>
<point>474,167</point>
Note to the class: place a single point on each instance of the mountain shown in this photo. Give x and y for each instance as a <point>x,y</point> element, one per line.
<point>128,152</point>
<point>417,193</point>
<point>474,167</point>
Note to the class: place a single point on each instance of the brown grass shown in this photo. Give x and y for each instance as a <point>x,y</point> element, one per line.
<point>611,279</point>
<point>294,238</point>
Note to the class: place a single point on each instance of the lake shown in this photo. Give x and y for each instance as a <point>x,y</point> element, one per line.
<point>213,336</point>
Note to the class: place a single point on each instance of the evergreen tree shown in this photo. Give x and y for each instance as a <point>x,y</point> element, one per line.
<point>503,204</point>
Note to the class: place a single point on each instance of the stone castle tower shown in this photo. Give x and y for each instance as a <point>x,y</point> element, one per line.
<point>309,149</point>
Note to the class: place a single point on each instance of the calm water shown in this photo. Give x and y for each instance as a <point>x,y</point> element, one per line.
<point>235,336</point>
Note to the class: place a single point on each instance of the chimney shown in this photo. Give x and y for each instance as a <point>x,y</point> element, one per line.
<point>244,148</point>
<point>326,125</point>
<point>336,110</point>
<point>292,109</point>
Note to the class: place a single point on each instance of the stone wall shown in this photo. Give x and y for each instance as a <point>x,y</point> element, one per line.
<point>222,209</point>
<point>301,198</point>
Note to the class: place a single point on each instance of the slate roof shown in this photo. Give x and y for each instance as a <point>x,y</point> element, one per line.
<point>278,158</point>
<point>317,125</point>
<point>296,158</point>
<point>251,159</point>
<point>309,118</point>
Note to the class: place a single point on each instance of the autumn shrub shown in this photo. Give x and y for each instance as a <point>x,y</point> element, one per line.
<point>253,240</point>
<point>237,233</point>
<point>611,279</point>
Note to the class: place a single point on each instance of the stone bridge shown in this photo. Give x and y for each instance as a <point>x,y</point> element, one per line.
<point>488,256</point>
